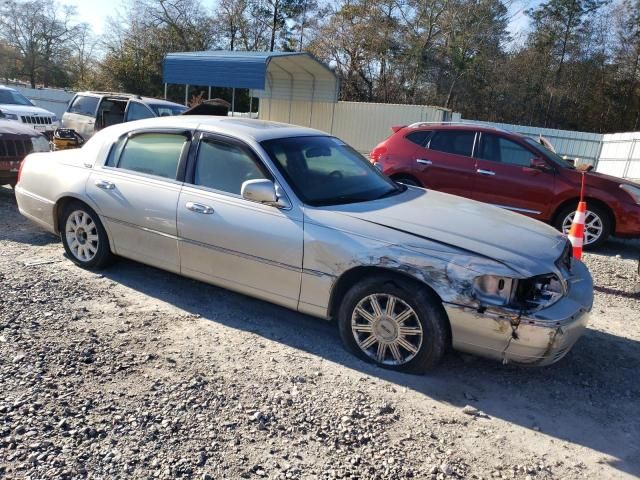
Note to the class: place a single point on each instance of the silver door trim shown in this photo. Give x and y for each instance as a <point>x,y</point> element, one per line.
<point>423,161</point>
<point>236,253</point>
<point>145,229</point>
<point>516,209</point>
<point>485,172</point>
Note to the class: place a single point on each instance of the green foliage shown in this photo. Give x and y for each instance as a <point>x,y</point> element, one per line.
<point>578,67</point>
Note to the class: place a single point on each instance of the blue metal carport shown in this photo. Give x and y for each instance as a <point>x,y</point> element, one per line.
<point>283,75</point>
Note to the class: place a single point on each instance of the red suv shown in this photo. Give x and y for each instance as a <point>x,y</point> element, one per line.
<point>510,171</point>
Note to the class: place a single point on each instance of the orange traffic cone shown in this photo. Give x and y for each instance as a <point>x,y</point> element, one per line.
<point>576,234</point>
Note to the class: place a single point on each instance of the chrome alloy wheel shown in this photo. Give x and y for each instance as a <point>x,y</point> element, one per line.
<point>81,233</point>
<point>386,329</point>
<point>593,226</point>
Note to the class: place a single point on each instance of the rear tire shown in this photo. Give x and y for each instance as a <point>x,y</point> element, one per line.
<point>84,238</point>
<point>410,331</point>
<point>599,218</point>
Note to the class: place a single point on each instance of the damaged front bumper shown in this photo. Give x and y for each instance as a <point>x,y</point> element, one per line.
<point>539,338</point>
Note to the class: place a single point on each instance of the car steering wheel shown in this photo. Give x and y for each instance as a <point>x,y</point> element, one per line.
<point>337,174</point>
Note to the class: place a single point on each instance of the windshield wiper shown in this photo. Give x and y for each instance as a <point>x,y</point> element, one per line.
<point>394,191</point>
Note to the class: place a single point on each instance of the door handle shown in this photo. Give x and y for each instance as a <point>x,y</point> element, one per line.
<point>199,208</point>
<point>423,161</point>
<point>105,185</point>
<point>485,172</point>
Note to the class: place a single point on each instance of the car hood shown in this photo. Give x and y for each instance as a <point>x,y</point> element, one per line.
<point>527,246</point>
<point>11,127</point>
<point>24,110</point>
<point>596,179</point>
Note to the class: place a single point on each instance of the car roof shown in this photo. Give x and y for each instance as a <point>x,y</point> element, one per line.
<point>241,128</point>
<point>475,126</point>
<point>129,96</point>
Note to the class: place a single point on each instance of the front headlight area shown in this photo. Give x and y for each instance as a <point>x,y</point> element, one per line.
<point>520,295</point>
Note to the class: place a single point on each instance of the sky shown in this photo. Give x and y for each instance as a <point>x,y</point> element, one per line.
<point>95,12</point>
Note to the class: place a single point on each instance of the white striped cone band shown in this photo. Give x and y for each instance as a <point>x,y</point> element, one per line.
<point>575,241</point>
<point>579,218</point>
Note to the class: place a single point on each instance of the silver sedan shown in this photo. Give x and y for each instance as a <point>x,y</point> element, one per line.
<point>298,218</point>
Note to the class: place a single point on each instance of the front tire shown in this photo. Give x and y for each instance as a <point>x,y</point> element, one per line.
<point>597,224</point>
<point>84,238</point>
<point>394,323</point>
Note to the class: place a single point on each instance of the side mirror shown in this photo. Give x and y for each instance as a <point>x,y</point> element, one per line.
<point>539,164</point>
<point>264,191</point>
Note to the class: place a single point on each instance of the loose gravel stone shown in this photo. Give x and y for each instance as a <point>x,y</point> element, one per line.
<point>138,373</point>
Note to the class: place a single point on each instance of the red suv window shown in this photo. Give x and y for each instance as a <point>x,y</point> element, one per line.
<point>499,149</point>
<point>419,137</point>
<point>457,142</point>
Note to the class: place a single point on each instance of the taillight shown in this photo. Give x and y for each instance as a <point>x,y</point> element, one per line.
<point>24,160</point>
<point>376,153</point>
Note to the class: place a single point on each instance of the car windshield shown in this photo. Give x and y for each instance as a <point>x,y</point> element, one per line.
<point>162,110</point>
<point>554,157</point>
<point>11,97</point>
<point>326,171</point>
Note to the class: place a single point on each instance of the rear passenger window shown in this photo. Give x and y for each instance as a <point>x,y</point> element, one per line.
<point>225,167</point>
<point>457,142</point>
<point>114,153</point>
<point>153,153</point>
<point>84,105</point>
<point>419,137</point>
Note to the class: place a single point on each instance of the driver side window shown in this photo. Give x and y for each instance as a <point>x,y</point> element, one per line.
<point>499,149</point>
<point>225,167</point>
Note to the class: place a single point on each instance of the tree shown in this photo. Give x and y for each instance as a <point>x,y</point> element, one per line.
<point>10,64</point>
<point>559,26</point>
<point>626,58</point>
<point>20,27</point>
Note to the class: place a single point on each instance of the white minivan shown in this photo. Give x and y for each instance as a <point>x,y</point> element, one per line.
<point>89,112</point>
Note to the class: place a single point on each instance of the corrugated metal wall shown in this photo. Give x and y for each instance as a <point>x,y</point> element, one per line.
<point>620,155</point>
<point>362,125</point>
<point>48,98</point>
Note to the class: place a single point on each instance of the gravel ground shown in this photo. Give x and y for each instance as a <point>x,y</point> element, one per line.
<point>138,373</point>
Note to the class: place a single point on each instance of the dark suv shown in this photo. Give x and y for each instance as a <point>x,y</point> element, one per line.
<point>511,171</point>
<point>16,142</point>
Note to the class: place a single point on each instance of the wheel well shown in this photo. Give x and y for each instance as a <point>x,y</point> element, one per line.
<point>59,208</point>
<point>353,276</point>
<point>398,176</point>
<point>589,200</point>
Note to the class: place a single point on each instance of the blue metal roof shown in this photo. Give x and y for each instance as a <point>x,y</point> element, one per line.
<point>221,68</point>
